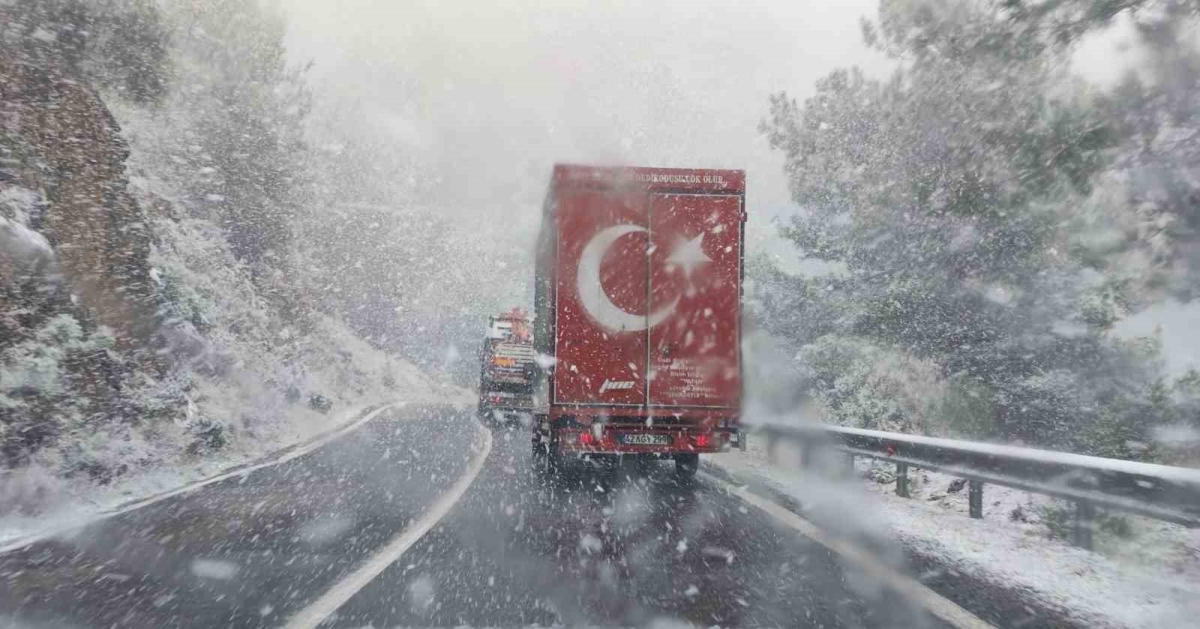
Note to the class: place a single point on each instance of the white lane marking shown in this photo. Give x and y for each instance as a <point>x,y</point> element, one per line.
<point>935,603</point>
<point>241,471</point>
<point>344,590</point>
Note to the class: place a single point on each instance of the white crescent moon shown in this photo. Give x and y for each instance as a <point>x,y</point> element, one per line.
<point>591,292</point>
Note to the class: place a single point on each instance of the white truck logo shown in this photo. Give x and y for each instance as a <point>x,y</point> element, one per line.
<point>616,385</point>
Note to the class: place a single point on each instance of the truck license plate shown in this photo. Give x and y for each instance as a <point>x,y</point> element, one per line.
<point>643,439</point>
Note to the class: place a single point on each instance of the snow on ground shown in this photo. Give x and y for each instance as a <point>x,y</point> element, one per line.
<point>78,503</point>
<point>253,402</point>
<point>243,381</point>
<point>1149,579</point>
<point>250,399</point>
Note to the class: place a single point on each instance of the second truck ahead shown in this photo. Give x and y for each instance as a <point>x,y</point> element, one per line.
<point>508,368</point>
<point>638,303</point>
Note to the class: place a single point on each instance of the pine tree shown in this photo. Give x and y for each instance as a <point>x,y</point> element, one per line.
<point>952,193</point>
<point>249,109</point>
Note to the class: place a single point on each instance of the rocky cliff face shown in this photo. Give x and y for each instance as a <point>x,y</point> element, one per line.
<point>59,141</point>
<point>77,300</point>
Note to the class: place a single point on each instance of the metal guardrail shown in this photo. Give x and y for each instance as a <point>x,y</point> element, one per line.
<point>1161,492</point>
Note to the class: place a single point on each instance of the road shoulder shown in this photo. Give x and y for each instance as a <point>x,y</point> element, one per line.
<point>871,521</point>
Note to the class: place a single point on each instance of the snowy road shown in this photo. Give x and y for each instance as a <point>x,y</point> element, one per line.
<point>249,550</point>
<point>605,549</point>
<point>626,548</point>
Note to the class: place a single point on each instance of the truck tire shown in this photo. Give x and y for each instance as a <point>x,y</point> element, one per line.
<point>686,464</point>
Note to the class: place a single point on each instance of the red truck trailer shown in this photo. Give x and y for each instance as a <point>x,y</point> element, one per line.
<point>638,304</point>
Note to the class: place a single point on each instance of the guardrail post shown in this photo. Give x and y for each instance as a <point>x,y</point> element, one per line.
<point>806,453</point>
<point>849,470</point>
<point>975,498</point>
<point>1084,512</point>
<point>902,480</point>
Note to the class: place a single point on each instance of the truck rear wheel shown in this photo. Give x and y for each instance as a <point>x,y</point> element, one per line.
<point>686,464</point>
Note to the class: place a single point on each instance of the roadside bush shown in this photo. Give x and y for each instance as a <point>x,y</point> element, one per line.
<point>53,382</point>
<point>24,489</point>
<point>207,434</point>
<point>320,403</point>
<point>1059,519</point>
<point>1177,440</point>
<point>968,411</point>
<point>858,384</point>
<point>178,302</point>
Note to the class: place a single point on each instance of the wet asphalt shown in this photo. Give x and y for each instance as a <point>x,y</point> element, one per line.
<point>633,545</point>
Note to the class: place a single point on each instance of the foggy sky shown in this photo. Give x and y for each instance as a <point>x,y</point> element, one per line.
<point>489,97</point>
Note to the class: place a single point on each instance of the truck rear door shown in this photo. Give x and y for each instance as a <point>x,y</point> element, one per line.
<point>694,271</point>
<point>601,291</point>
<point>647,287</point>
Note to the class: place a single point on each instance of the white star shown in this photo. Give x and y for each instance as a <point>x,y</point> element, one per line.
<point>689,255</point>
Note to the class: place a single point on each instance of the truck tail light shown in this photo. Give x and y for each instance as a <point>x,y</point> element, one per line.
<point>702,441</point>
<point>586,438</point>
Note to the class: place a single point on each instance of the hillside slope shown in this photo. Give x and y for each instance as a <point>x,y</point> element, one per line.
<point>135,340</point>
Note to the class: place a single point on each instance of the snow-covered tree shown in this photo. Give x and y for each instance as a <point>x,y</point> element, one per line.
<point>243,148</point>
<point>951,191</point>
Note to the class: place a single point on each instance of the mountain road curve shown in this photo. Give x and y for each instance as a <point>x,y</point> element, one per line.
<point>422,517</point>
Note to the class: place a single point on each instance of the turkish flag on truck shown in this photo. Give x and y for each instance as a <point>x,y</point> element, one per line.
<point>647,287</point>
